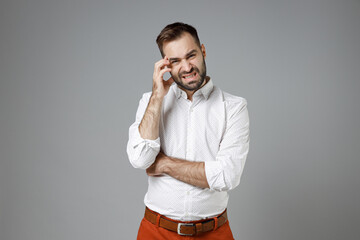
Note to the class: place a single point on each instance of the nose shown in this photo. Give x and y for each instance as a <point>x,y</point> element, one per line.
<point>186,65</point>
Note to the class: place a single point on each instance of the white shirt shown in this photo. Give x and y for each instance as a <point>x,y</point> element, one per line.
<point>212,128</point>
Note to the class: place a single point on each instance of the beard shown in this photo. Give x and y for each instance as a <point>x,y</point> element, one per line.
<point>193,85</point>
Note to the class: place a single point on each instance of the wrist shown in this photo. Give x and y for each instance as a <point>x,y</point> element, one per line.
<point>166,168</point>
<point>157,97</point>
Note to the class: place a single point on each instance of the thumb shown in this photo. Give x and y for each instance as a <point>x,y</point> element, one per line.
<point>170,81</point>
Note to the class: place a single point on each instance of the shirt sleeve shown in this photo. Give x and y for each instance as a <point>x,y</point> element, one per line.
<point>141,152</point>
<point>224,173</point>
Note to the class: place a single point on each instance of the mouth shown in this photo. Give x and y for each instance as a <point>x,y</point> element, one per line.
<point>189,77</point>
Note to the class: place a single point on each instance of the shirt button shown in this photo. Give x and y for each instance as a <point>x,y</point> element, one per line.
<point>188,193</point>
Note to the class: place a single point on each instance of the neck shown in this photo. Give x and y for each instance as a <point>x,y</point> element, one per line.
<point>191,93</point>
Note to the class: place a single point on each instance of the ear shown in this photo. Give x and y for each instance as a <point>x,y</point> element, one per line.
<point>203,50</point>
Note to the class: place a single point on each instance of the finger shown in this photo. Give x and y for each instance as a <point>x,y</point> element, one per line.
<point>162,63</point>
<point>160,175</point>
<point>150,171</point>
<point>159,76</point>
<point>162,72</point>
<point>156,175</point>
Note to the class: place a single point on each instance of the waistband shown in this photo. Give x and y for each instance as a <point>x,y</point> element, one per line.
<point>188,228</point>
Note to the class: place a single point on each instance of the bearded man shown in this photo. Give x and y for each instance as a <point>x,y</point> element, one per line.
<point>192,139</point>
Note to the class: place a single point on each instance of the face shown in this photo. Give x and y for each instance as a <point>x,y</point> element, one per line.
<point>187,62</point>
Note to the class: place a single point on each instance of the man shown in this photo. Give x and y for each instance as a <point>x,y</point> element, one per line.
<point>192,139</point>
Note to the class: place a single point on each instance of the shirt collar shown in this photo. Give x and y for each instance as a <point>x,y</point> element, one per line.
<point>204,91</point>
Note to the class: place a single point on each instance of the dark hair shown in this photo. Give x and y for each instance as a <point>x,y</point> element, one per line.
<point>174,31</point>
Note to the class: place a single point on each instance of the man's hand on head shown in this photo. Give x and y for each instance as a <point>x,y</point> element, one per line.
<point>161,86</point>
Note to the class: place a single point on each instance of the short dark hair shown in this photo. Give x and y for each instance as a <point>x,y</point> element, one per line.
<point>174,31</point>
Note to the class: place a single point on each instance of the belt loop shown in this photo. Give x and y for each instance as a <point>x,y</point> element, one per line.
<point>216,223</point>
<point>199,228</point>
<point>158,220</point>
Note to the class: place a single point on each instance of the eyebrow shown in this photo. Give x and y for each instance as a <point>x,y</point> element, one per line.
<point>187,55</point>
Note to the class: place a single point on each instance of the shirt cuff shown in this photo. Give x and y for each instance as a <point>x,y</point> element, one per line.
<point>142,152</point>
<point>215,175</point>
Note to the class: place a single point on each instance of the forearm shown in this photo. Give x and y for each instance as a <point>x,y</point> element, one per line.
<point>149,126</point>
<point>186,171</point>
<point>189,172</point>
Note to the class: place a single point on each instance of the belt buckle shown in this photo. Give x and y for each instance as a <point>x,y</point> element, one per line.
<point>184,224</point>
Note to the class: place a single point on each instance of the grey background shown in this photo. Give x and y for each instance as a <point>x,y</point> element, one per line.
<point>72,73</point>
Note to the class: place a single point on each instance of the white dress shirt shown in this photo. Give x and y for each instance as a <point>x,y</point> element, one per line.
<point>212,128</point>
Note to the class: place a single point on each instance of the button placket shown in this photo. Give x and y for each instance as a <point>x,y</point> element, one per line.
<point>191,135</point>
<point>189,156</point>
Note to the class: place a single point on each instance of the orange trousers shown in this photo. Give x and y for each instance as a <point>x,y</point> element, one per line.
<point>149,231</point>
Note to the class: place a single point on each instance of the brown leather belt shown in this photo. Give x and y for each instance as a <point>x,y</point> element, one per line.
<point>186,228</point>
